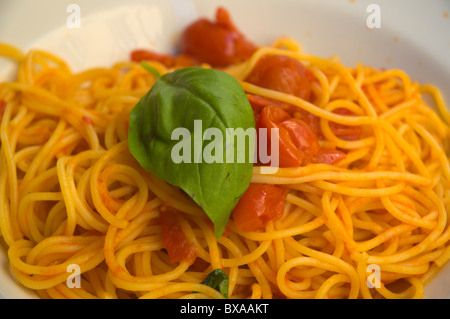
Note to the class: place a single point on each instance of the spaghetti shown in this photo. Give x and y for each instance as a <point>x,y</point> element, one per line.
<point>72,194</point>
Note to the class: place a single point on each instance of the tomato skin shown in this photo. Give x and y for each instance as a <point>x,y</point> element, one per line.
<point>284,74</point>
<point>260,204</point>
<point>258,103</point>
<point>165,59</point>
<point>297,142</point>
<point>143,55</point>
<point>329,156</point>
<point>303,138</point>
<point>217,43</point>
<point>178,247</point>
<point>345,132</point>
<point>288,156</point>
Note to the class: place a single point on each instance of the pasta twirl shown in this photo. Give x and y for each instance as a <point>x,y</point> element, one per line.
<point>72,194</point>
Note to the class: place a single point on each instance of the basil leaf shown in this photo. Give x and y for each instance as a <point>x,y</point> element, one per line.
<point>150,69</point>
<point>218,280</point>
<point>176,103</point>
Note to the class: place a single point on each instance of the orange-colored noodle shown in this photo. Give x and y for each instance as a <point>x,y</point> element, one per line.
<point>72,194</point>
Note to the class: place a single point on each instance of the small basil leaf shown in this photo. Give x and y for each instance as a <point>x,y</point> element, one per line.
<point>177,103</point>
<point>217,280</point>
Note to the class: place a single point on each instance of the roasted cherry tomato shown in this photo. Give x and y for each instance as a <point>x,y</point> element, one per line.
<point>260,204</point>
<point>284,74</point>
<point>303,138</point>
<point>329,156</point>
<point>258,103</point>
<point>218,43</point>
<point>297,143</point>
<point>178,247</point>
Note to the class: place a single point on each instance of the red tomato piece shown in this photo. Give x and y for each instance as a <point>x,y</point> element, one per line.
<point>330,156</point>
<point>345,132</point>
<point>166,59</point>
<point>303,138</point>
<point>297,142</point>
<point>313,122</point>
<point>218,43</point>
<point>259,102</point>
<point>178,247</point>
<point>260,204</point>
<point>284,74</point>
<point>288,155</point>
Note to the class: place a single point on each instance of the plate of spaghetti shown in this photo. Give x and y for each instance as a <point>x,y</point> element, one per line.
<point>101,196</point>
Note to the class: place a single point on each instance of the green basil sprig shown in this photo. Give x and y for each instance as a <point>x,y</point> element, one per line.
<point>176,103</point>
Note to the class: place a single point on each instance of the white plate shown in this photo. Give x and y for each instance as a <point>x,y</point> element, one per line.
<point>414,35</point>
